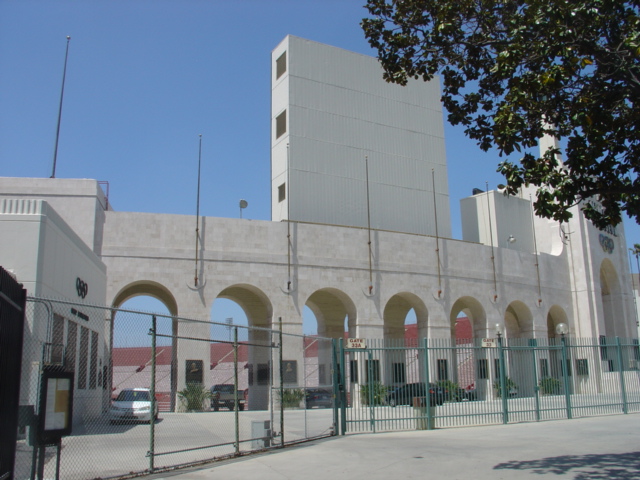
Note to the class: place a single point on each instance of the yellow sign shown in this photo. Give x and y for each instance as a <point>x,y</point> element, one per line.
<point>356,343</point>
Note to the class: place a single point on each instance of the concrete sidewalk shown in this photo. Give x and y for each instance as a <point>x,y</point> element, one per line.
<point>596,448</point>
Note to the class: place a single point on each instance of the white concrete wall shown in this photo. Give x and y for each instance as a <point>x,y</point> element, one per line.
<point>339,110</point>
<point>47,257</point>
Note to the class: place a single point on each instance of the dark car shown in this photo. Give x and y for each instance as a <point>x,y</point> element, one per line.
<point>405,394</point>
<point>318,397</point>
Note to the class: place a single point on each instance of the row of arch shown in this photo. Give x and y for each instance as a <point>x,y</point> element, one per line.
<point>336,313</point>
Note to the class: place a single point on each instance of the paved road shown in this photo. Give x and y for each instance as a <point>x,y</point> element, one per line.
<point>596,448</point>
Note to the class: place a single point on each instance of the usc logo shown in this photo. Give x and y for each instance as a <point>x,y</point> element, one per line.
<point>81,287</point>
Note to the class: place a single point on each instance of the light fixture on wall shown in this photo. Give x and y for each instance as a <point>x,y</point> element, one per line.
<point>511,239</point>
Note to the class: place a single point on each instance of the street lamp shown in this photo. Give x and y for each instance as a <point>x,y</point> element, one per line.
<point>562,329</point>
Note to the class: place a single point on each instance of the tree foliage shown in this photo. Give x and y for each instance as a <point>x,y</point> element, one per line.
<point>515,70</point>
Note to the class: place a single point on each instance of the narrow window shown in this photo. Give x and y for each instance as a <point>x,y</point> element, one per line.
<point>372,370</point>
<point>443,369</point>
<point>70,351</point>
<point>483,368</point>
<point>93,368</point>
<point>282,192</point>
<point>582,367</point>
<point>399,373</point>
<point>57,339</point>
<point>281,65</point>
<point>544,367</point>
<point>281,124</point>
<point>353,371</point>
<point>84,358</point>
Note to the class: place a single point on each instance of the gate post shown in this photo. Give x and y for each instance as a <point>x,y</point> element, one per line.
<point>343,388</point>
<point>625,408</point>
<point>430,420</point>
<point>565,377</point>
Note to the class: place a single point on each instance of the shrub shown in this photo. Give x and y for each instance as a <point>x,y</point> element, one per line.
<point>509,385</point>
<point>376,389</point>
<point>549,386</point>
<point>193,397</point>
<point>291,397</point>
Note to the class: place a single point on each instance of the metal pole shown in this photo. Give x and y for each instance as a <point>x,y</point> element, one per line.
<point>152,423</point>
<point>565,377</point>
<point>430,420</point>
<point>435,210</point>
<point>195,278</point>
<point>366,162</point>
<point>64,76</point>
<point>343,396</point>
<point>625,407</point>
<point>235,389</point>
<point>281,386</point>
<point>286,192</point>
<point>503,382</point>
<point>533,343</point>
<point>493,256</point>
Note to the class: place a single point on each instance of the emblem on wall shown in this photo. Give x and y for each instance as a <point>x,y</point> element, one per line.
<point>606,243</point>
<point>81,287</point>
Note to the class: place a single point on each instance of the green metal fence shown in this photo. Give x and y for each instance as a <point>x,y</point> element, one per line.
<point>502,381</point>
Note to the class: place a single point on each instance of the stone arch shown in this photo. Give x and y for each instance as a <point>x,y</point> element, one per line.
<point>555,316</point>
<point>259,311</point>
<point>518,321</point>
<point>474,311</point>
<point>150,288</point>
<point>253,301</point>
<point>163,294</point>
<point>395,314</point>
<point>610,292</point>
<point>330,307</point>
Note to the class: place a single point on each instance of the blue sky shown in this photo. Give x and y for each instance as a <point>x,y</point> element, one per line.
<point>146,77</point>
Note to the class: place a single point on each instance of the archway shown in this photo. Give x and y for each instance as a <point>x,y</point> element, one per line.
<point>518,321</point>
<point>254,354</point>
<point>470,364</point>
<point>611,301</point>
<point>335,314</point>
<point>405,320</point>
<point>130,342</point>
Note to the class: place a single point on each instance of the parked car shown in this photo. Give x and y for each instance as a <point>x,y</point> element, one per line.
<point>133,405</point>
<point>318,397</point>
<point>404,395</point>
<point>222,395</point>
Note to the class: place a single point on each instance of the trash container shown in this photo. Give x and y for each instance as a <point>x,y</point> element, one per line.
<point>420,412</point>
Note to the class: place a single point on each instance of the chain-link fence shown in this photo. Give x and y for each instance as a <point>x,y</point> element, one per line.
<point>471,382</point>
<point>152,392</point>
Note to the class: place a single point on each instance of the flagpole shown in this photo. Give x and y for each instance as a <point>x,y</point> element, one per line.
<point>64,76</point>
<point>195,279</point>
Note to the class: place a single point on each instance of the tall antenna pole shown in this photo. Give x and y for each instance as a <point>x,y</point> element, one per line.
<point>287,190</point>
<point>64,76</point>
<point>535,250</point>
<point>366,162</point>
<point>435,211</point>
<point>195,279</point>
<point>493,256</point>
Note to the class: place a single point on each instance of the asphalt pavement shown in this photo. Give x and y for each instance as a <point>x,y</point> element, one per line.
<point>595,448</point>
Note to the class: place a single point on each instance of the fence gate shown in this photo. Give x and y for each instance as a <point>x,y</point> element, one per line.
<point>484,381</point>
<point>12,304</point>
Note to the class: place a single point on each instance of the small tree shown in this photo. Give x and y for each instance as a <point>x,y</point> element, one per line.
<point>193,397</point>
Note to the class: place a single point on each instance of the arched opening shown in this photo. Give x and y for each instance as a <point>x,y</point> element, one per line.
<point>518,321</point>
<point>611,300</point>
<point>334,314</point>
<point>518,327</point>
<point>555,316</point>
<point>130,341</point>
<point>405,319</point>
<point>236,309</point>
<point>471,367</point>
